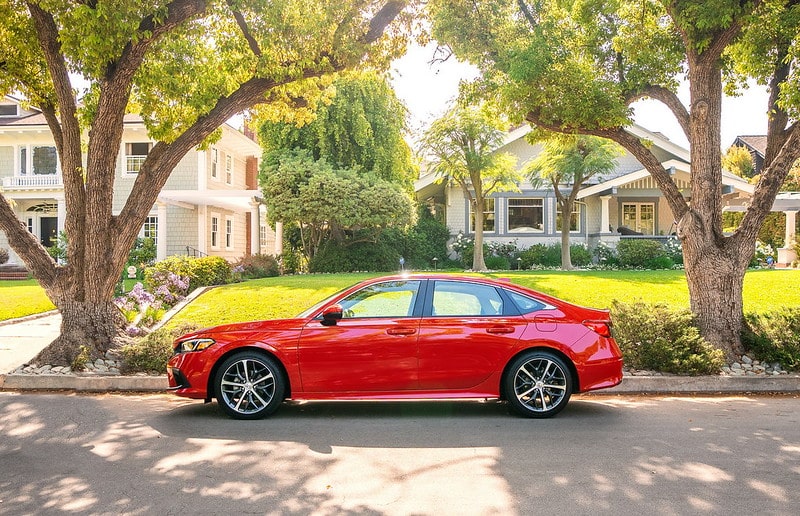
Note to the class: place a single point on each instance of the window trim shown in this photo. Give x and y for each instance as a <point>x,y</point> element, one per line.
<point>577,209</point>
<point>639,204</point>
<point>150,225</point>
<point>16,111</point>
<point>228,169</point>
<point>132,163</point>
<point>214,227</point>
<point>215,163</point>
<point>535,231</point>
<point>493,211</point>
<point>229,231</point>
<point>31,171</point>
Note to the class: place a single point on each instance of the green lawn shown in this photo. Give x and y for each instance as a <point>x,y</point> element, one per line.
<point>270,298</point>
<point>22,297</point>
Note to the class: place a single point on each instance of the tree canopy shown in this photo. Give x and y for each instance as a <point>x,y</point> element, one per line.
<point>186,66</point>
<point>329,203</point>
<point>362,125</point>
<point>579,66</point>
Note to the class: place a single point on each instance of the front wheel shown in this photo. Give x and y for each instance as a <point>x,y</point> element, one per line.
<point>538,384</point>
<point>249,385</point>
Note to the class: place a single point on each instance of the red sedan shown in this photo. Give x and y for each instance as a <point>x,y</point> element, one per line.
<point>406,337</point>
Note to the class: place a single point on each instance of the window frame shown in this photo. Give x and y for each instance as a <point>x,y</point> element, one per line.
<point>228,169</point>
<point>214,226</point>
<point>229,230</point>
<point>7,115</point>
<point>577,211</point>
<point>133,162</point>
<point>486,212</point>
<point>32,159</point>
<point>215,163</point>
<point>638,215</point>
<point>411,311</point>
<point>150,228</point>
<point>535,230</point>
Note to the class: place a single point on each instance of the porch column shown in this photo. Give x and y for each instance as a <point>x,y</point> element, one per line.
<point>62,214</point>
<point>255,227</point>
<point>161,231</point>
<point>605,221</point>
<point>278,238</point>
<point>787,254</point>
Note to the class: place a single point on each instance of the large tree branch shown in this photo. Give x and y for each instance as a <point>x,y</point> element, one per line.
<point>669,99</point>
<point>637,148</point>
<point>27,246</point>
<point>248,36</point>
<point>777,117</point>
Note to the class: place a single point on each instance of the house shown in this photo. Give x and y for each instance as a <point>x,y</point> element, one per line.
<point>626,203</point>
<point>211,204</point>
<point>756,145</point>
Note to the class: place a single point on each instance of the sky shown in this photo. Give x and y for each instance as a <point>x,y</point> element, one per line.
<point>429,89</point>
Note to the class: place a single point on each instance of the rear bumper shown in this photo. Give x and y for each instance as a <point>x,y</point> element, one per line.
<point>600,374</point>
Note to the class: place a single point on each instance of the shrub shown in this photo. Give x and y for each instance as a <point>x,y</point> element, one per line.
<point>550,255</point>
<point>642,253</point>
<point>655,337</point>
<point>258,266</point>
<point>426,240</point>
<point>204,271</point>
<point>291,262</point>
<point>150,353</point>
<point>360,256</point>
<point>605,255</point>
<point>142,253</point>
<point>3,256</point>
<point>774,336</point>
<point>497,263</point>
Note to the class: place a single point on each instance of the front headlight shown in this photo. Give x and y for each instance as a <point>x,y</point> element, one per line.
<point>193,345</point>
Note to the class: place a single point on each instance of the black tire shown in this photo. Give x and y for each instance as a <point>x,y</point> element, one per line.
<point>538,384</point>
<point>249,385</point>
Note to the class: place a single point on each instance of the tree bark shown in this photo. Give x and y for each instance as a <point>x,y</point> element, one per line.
<point>86,327</point>
<point>478,262</point>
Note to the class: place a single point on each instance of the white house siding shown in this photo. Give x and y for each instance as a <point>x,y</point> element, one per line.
<point>239,233</point>
<point>6,161</point>
<point>181,230</point>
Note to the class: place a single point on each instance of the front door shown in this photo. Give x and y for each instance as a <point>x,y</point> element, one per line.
<point>49,231</point>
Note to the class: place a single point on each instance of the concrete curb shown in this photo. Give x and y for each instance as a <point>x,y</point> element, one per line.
<point>95,383</point>
<point>629,385</point>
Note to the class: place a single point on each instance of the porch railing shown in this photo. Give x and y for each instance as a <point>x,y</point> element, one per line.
<point>196,253</point>
<point>35,181</point>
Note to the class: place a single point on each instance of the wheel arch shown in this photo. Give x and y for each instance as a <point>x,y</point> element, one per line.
<point>211,391</point>
<point>549,349</point>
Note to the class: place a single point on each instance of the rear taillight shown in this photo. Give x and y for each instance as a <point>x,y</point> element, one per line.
<point>602,328</point>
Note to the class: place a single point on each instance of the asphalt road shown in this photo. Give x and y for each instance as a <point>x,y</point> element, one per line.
<point>115,454</point>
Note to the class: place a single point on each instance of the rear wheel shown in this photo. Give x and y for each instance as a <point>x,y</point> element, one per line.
<point>249,385</point>
<point>538,384</point>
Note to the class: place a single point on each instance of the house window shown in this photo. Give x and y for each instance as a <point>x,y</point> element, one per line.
<point>215,231</point>
<point>29,224</point>
<point>525,215</point>
<point>23,161</point>
<point>214,162</point>
<point>8,110</point>
<point>150,229</point>
<point>45,160</point>
<point>488,217</point>
<point>574,220</point>
<point>640,216</point>
<point>228,233</point>
<point>262,233</point>
<point>229,169</point>
<point>135,154</point>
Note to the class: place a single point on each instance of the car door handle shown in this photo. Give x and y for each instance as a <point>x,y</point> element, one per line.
<point>500,329</point>
<point>401,331</point>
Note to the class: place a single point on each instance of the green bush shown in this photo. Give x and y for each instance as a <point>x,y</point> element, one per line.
<point>550,255</point>
<point>426,240</point>
<point>774,337</point>
<point>360,256</point>
<point>643,253</point>
<point>150,353</point>
<point>654,337</point>
<point>497,263</point>
<point>203,271</point>
<point>256,266</point>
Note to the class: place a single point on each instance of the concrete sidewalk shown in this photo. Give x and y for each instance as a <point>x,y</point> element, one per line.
<point>22,339</point>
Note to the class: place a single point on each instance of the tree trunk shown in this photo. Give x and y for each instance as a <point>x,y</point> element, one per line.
<point>566,214</point>
<point>88,328</point>
<point>715,277</point>
<point>478,263</point>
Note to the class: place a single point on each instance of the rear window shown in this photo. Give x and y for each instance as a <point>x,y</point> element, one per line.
<point>526,304</point>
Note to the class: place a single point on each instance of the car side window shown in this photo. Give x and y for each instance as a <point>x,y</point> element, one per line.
<point>465,299</point>
<point>526,304</point>
<point>387,299</point>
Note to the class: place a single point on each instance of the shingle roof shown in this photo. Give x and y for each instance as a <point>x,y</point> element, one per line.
<point>757,143</point>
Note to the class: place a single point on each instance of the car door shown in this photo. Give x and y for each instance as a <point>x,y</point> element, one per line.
<point>372,348</point>
<point>466,334</point>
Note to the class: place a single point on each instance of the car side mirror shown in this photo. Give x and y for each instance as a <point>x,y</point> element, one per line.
<point>332,314</point>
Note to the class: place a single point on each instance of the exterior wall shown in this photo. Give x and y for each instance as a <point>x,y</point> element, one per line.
<point>6,161</point>
<point>239,234</point>
<point>181,229</point>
